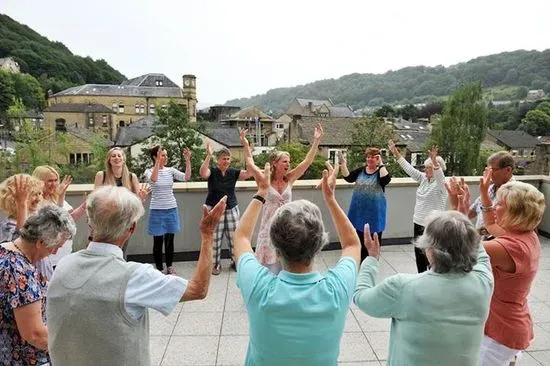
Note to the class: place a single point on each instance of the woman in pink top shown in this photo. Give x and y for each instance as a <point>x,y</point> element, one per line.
<point>279,193</point>
<point>514,254</point>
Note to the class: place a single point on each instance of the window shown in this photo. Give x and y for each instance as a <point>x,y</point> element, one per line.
<point>141,108</point>
<point>120,108</point>
<point>151,109</point>
<point>137,108</point>
<point>121,123</point>
<point>158,82</point>
<point>91,121</point>
<point>104,120</point>
<point>164,107</point>
<point>280,126</point>
<point>115,107</point>
<point>81,158</point>
<point>333,156</point>
<point>60,125</point>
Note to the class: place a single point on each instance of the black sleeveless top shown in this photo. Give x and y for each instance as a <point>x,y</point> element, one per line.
<point>118,181</point>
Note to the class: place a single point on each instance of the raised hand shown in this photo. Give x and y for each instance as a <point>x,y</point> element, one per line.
<point>485,181</point>
<point>434,151</point>
<point>328,182</point>
<point>211,218</point>
<point>64,185</point>
<point>342,157</point>
<point>379,160</point>
<point>242,136</point>
<point>22,190</point>
<point>318,133</point>
<point>187,154</point>
<point>262,177</point>
<point>371,243</point>
<point>393,148</point>
<point>209,149</point>
<point>464,199</point>
<point>144,191</point>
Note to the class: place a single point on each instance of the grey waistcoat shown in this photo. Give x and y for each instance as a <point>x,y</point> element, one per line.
<point>87,321</point>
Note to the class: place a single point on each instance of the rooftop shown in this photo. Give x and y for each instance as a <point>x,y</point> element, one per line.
<point>215,331</point>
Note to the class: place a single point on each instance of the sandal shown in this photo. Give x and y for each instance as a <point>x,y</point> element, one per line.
<point>216,270</point>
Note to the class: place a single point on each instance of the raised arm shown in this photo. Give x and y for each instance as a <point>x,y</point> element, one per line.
<point>62,189</point>
<point>198,285</point>
<point>244,174</point>
<point>187,155</point>
<point>438,171</point>
<point>382,300</point>
<point>297,172</point>
<point>351,247</point>
<point>77,213</point>
<point>205,167</point>
<point>245,228</point>
<point>156,166</point>
<point>343,163</point>
<point>405,165</point>
<point>487,209</point>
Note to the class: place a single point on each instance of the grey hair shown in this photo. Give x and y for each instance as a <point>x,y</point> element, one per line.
<point>453,240</point>
<point>428,163</point>
<point>297,231</point>
<point>224,151</point>
<point>502,158</point>
<point>50,224</point>
<point>111,211</point>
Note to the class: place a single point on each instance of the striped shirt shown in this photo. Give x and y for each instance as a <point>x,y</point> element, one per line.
<point>431,194</point>
<point>162,194</point>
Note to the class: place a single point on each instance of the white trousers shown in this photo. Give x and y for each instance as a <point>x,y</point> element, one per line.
<point>496,354</point>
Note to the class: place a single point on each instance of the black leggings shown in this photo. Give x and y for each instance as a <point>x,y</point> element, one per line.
<point>422,263</point>
<point>169,249</point>
<point>364,251</point>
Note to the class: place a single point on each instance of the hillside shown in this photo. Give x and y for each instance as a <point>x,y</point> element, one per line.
<point>507,70</point>
<point>51,63</point>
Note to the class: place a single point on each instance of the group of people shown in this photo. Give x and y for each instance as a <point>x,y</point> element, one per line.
<point>466,306</point>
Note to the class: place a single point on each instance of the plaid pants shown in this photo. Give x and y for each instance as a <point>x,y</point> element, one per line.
<point>226,228</point>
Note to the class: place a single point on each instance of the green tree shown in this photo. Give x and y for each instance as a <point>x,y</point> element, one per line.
<point>408,112</point>
<point>461,129</point>
<point>174,132</point>
<point>7,93</point>
<point>521,92</point>
<point>29,90</point>
<point>385,111</point>
<point>536,123</point>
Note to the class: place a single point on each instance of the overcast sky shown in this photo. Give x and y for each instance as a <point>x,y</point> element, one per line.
<point>242,48</point>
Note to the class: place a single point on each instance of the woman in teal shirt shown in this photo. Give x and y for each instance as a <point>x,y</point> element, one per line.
<point>438,316</point>
<point>297,317</point>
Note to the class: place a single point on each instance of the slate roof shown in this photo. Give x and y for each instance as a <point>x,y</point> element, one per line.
<point>336,112</point>
<point>123,90</point>
<point>78,108</point>
<point>337,130</point>
<point>151,80</point>
<point>315,102</point>
<point>227,136</point>
<point>514,139</point>
<point>136,132</point>
<point>249,113</point>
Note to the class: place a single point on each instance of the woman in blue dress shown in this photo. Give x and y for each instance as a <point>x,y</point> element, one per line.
<point>368,201</point>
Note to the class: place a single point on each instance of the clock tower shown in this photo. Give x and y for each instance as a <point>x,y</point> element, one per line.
<point>190,96</point>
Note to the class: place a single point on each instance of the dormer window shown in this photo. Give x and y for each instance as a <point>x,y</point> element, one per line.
<point>158,82</point>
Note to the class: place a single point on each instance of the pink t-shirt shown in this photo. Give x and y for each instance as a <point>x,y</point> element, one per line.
<point>509,321</point>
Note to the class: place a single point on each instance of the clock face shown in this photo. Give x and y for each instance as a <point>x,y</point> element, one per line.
<point>186,82</point>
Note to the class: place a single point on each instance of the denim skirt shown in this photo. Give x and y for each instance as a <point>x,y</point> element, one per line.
<point>163,222</point>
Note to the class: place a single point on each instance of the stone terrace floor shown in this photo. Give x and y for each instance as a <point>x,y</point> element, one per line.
<point>214,331</point>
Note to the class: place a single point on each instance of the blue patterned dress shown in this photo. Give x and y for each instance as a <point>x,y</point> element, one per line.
<point>20,285</point>
<point>368,201</point>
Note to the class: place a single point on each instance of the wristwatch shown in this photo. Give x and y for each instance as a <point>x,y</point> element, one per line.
<point>259,198</point>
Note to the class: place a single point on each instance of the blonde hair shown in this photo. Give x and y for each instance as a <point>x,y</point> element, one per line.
<point>524,206</point>
<point>109,177</point>
<point>41,172</point>
<point>274,157</point>
<point>7,192</point>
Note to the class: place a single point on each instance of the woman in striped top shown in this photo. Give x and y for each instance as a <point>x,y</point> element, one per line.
<point>431,194</point>
<point>164,219</point>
